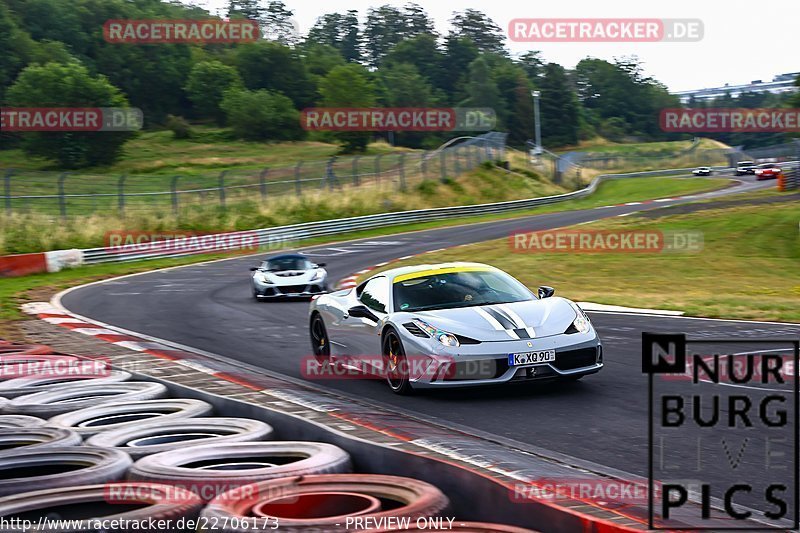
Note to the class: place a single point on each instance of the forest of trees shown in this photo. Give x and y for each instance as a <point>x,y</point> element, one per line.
<point>54,55</point>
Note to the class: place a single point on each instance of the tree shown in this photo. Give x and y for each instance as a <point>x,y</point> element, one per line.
<point>481,89</point>
<point>278,23</point>
<point>349,86</point>
<point>207,83</point>
<point>247,9</point>
<point>459,53</point>
<point>273,66</point>
<point>423,52</point>
<point>533,64</point>
<point>339,31</point>
<point>559,108</point>
<point>262,115</point>
<point>388,26</point>
<point>68,85</point>
<point>479,28</point>
<point>521,125</point>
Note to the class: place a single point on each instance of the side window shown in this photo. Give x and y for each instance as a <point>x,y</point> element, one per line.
<point>375,295</point>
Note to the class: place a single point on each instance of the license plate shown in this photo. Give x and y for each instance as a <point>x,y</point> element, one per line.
<point>531,358</point>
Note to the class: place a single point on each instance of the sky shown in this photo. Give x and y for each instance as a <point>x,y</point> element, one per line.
<point>743,41</point>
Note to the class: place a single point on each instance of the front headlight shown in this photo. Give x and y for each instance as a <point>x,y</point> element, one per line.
<point>446,339</point>
<point>261,277</point>
<point>581,322</point>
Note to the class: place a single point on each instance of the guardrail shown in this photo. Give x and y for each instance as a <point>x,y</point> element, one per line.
<point>269,237</point>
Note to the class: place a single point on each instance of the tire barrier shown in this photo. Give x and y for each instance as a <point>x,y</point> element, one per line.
<point>99,502</point>
<point>20,421</point>
<point>67,398</point>
<point>155,437</point>
<point>51,468</point>
<point>210,469</point>
<point>104,448</point>
<point>12,388</point>
<point>106,417</point>
<point>13,440</point>
<point>322,503</point>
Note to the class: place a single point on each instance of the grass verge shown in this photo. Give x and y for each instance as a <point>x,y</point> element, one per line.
<point>747,268</point>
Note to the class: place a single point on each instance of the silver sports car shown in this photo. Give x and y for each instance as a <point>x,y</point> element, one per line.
<point>289,275</point>
<point>453,325</point>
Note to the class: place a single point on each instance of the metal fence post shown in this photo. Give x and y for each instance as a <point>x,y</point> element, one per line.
<point>424,164</point>
<point>222,188</point>
<point>402,172</point>
<point>121,193</point>
<point>262,183</point>
<point>378,168</point>
<point>298,188</point>
<point>456,159</point>
<point>62,201</point>
<point>355,170</point>
<point>7,189</point>
<point>174,193</point>
<point>330,177</point>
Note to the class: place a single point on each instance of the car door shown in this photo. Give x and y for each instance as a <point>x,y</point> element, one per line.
<point>358,331</point>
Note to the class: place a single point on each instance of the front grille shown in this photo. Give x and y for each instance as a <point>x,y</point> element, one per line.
<point>572,359</point>
<point>472,370</point>
<point>292,289</point>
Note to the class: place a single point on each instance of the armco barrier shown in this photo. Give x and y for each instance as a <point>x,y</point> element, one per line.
<point>268,237</point>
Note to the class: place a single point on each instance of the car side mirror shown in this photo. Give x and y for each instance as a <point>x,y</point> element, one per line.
<point>546,292</point>
<point>362,311</point>
<point>254,269</point>
<point>320,265</point>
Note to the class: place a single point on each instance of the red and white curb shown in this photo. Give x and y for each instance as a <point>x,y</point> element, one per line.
<point>49,313</point>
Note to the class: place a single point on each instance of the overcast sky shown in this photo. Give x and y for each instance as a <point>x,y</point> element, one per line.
<point>744,40</point>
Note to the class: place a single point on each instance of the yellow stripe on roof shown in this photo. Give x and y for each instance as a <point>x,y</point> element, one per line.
<point>444,270</point>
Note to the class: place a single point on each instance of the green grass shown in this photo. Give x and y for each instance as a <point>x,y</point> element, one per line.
<point>747,268</point>
<point>599,147</point>
<point>16,291</point>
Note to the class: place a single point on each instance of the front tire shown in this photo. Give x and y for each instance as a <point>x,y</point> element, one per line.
<point>320,344</point>
<point>396,364</point>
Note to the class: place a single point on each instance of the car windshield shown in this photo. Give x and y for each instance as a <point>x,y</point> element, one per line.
<point>450,290</point>
<point>745,163</point>
<point>288,263</point>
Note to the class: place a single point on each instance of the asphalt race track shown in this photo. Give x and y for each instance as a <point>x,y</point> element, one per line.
<point>602,418</point>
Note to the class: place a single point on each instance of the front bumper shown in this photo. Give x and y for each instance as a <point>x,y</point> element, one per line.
<point>487,363</point>
<point>289,291</point>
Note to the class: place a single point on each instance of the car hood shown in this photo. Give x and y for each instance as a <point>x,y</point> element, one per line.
<point>487,323</point>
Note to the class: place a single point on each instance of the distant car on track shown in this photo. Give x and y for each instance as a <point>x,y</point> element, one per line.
<point>289,275</point>
<point>745,167</point>
<point>453,325</point>
<point>703,171</point>
<point>767,171</point>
